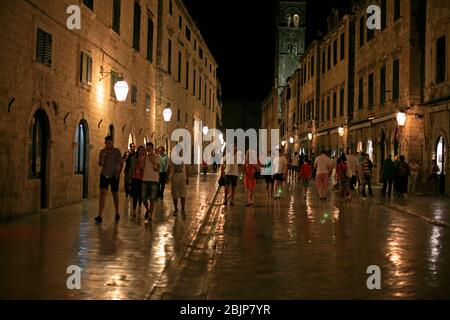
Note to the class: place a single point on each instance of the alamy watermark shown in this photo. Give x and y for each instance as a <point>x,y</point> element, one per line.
<point>74,280</point>
<point>374,281</point>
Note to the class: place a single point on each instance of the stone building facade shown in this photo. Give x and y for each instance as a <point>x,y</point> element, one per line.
<point>186,76</point>
<point>399,70</point>
<point>59,97</point>
<point>436,92</point>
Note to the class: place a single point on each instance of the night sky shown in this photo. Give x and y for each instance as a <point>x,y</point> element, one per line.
<point>241,36</point>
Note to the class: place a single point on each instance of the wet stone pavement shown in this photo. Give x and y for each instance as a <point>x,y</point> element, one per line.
<point>290,248</point>
<point>121,260</point>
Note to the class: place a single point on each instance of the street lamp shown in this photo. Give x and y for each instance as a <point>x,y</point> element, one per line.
<point>121,90</point>
<point>205,130</point>
<point>401,118</point>
<point>167,113</point>
<point>341,131</point>
<point>283,143</point>
<point>310,136</point>
<point>291,140</point>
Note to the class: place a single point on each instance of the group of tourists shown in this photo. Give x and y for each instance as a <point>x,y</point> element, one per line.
<point>350,172</point>
<point>145,175</point>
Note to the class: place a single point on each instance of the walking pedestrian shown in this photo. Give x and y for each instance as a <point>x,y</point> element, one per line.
<point>352,163</point>
<point>251,169</point>
<point>295,165</point>
<point>366,173</point>
<point>150,181</point>
<point>343,176</point>
<point>305,176</point>
<point>110,159</point>
<point>127,158</point>
<point>323,172</point>
<point>414,168</point>
<point>388,175</point>
<point>136,172</point>
<point>402,173</point>
<point>231,172</point>
<point>178,176</point>
<point>432,179</point>
<point>162,172</point>
<point>267,172</point>
<point>280,164</point>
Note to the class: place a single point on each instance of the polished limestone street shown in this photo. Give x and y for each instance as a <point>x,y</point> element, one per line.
<point>289,248</point>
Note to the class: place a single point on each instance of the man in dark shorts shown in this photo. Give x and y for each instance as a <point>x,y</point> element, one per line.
<point>110,160</point>
<point>231,173</point>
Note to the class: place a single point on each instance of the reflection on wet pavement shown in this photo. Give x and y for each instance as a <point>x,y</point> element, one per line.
<point>119,261</point>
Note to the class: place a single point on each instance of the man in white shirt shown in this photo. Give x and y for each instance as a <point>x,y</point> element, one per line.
<point>352,163</point>
<point>231,173</point>
<point>323,167</point>
<point>150,181</point>
<point>280,166</point>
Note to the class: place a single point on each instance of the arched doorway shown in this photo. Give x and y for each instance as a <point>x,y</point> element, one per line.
<point>441,153</point>
<point>382,155</point>
<point>39,154</point>
<point>82,154</point>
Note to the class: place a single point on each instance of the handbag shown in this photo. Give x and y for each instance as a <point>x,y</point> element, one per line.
<point>221,182</point>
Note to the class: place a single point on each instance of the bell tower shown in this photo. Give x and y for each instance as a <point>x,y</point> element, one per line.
<point>290,41</point>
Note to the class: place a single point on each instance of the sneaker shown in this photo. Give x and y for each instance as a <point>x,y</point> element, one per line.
<point>117,217</point>
<point>146,215</point>
<point>98,219</point>
<point>231,204</point>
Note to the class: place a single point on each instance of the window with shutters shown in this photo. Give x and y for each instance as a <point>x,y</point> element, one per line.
<point>334,105</point>
<point>383,85</point>
<point>396,10</point>
<point>116,16</point>
<point>334,51</point>
<point>85,68</point>
<point>396,80</point>
<point>178,115</point>
<point>362,25</point>
<point>89,4</point>
<point>44,47</point>
<point>323,61</point>
<point>360,93</point>
<point>188,33</point>
<point>329,57</point>
<point>170,7</point>
<point>370,90</point>
<point>328,108</point>
<point>134,94</point>
<point>341,102</point>
<point>312,67</point>
<point>169,57</point>
<point>137,26</point>
<point>180,22</point>
<point>383,14</point>
<point>187,74</point>
<point>150,40</point>
<point>195,82</point>
<point>200,53</point>
<point>342,48</point>
<point>440,59</point>
<point>322,111</point>
<point>179,66</point>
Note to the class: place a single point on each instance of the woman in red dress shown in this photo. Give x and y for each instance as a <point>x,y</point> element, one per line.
<point>251,167</point>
